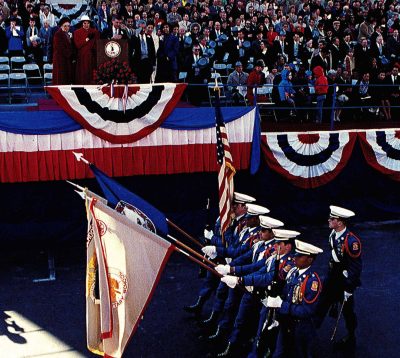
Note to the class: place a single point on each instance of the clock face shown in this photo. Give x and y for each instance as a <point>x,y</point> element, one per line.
<point>112,49</point>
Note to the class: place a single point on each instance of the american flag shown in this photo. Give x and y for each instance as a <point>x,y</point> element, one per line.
<point>227,170</point>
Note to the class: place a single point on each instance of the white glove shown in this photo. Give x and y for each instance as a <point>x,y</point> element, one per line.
<point>347,295</point>
<point>210,251</point>
<point>208,234</point>
<point>274,302</point>
<point>231,281</point>
<point>264,301</point>
<point>249,288</point>
<point>223,269</point>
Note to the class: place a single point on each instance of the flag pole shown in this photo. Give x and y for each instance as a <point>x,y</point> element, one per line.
<point>79,157</point>
<point>190,257</point>
<point>208,268</point>
<point>213,264</point>
<point>183,232</point>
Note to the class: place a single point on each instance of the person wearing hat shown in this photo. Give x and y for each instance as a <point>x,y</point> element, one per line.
<point>63,54</point>
<point>276,263</point>
<point>15,35</point>
<point>256,260</point>
<point>297,304</point>
<point>239,210</point>
<point>344,273</point>
<point>214,237</point>
<point>256,78</point>
<point>85,43</point>
<point>262,254</point>
<point>237,80</point>
<point>247,237</point>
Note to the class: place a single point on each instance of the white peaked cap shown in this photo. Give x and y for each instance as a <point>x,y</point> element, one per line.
<point>243,198</point>
<point>284,235</point>
<point>255,210</point>
<point>270,223</point>
<point>304,248</point>
<point>338,212</point>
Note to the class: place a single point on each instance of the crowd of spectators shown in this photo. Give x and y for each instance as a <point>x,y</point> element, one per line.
<point>352,44</point>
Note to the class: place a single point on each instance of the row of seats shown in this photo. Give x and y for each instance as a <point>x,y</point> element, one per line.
<point>32,71</point>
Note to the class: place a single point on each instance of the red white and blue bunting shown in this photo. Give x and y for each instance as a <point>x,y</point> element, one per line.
<point>381,149</point>
<point>308,160</point>
<point>114,118</point>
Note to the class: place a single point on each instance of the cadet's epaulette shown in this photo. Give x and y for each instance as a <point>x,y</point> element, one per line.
<point>353,250</point>
<point>316,286</point>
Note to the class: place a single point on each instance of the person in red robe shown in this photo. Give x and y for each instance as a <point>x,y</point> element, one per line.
<point>85,43</point>
<point>63,54</point>
<point>256,78</point>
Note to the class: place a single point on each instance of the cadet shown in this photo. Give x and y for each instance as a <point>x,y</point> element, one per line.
<point>297,306</point>
<point>343,276</point>
<point>249,235</point>
<point>264,246</point>
<point>211,282</point>
<point>250,306</point>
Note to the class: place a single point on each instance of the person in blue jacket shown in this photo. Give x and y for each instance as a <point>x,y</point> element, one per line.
<point>296,307</point>
<point>287,92</point>
<point>247,238</point>
<point>15,36</point>
<point>250,309</point>
<point>345,266</point>
<point>209,324</point>
<point>214,237</point>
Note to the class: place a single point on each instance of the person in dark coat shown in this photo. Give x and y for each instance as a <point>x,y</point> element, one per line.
<point>85,43</point>
<point>345,266</point>
<point>381,95</point>
<point>167,66</point>
<point>144,56</point>
<point>63,55</point>
<point>115,31</point>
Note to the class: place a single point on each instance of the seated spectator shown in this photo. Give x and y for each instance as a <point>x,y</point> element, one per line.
<point>256,78</point>
<point>237,79</point>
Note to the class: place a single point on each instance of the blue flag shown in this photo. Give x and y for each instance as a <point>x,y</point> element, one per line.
<point>114,192</point>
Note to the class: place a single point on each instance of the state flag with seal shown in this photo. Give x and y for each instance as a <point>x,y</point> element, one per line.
<point>130,260</point>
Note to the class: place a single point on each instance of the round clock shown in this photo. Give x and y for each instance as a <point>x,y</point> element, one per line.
<point>112,49</point>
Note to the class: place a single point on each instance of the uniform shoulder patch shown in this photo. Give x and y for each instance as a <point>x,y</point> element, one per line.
<point>352,245</point>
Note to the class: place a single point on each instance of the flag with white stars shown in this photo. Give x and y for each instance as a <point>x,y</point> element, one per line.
<point>227,170</point>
